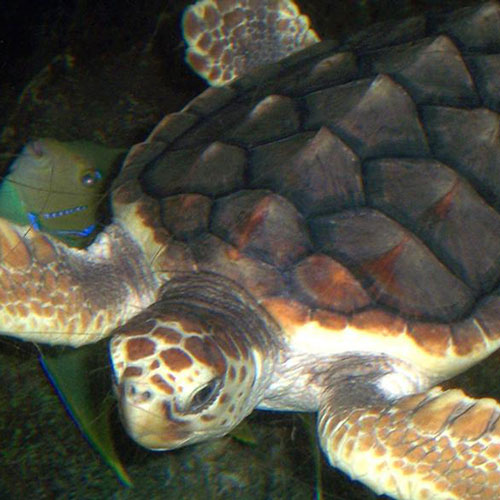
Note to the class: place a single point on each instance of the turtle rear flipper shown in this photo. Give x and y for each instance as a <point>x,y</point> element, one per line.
<point>229,39</point>
<point>437,444</point>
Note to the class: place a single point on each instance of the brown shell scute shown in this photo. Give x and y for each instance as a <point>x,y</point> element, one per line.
<point>186,215</point>
<point>272,118</point>
<point>263,225</point>
<point>488,79</point>
<point>393,264</point>
<point>432,71</point>
<point>475,156</point>
<point>215,255</point>
<point>378,117</point>
<point>345,180</point>
<point>323,281</point>
<point>447,214</point>
<point>323,173</point>
<point>216,170</point>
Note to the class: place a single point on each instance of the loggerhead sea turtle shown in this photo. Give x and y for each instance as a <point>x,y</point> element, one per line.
<point>321,234</point>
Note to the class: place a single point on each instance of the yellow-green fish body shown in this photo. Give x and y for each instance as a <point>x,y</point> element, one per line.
<point>57,187</point>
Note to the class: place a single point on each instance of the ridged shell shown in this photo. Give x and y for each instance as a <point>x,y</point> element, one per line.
<point>349,178</point>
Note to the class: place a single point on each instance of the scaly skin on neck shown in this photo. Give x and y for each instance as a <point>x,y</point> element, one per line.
<point>194,364</point>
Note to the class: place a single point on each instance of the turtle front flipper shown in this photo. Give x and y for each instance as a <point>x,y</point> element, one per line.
<point>438,444</point>
<point>55,294</point>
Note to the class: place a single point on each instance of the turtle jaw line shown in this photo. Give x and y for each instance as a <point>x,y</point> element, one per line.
<point>146,424</point>
<point>155,441</point>
<point>159,440</point>
<point>153,424</point>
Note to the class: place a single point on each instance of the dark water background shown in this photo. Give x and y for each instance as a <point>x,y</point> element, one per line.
<point>107,72</point>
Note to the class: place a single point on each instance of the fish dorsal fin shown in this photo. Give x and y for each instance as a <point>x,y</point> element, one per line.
<point>228,38</point>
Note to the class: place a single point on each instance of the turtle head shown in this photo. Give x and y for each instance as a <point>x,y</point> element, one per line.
<point>181,380</point>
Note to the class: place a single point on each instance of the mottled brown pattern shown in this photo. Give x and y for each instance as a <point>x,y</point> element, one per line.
<point>138,348</point>
<point>249,43</point>
<point>161,384</point>
<point>444,439</point>
<point>205,351</point>
<point>176,359</point>
<point>85,317</point>
<point>48,311</point>
<point>13,250</point>
<point>188,322</point>
<point>23,311</point>
<point>43,250</point>
<point>22,295</point>
<point>167,335</point>
<point>64,281</point>
<point>132,371</point>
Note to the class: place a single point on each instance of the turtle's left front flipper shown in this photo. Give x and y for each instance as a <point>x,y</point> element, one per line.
<point>439,445</point>
<point>52,293</point>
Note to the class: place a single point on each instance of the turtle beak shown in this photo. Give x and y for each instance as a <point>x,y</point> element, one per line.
<point>149,422</point>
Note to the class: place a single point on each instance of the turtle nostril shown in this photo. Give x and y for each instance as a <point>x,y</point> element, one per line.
<point>135,395</point>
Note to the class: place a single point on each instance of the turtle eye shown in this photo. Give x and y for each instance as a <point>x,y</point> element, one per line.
<point>91,178</point>
<point>204,395</point>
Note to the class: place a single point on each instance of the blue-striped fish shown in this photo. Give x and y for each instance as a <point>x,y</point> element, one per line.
<point>57,187</point>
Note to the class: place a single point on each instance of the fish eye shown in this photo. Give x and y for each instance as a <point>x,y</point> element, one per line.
<point>91,178</point>
<point>203,395</point>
